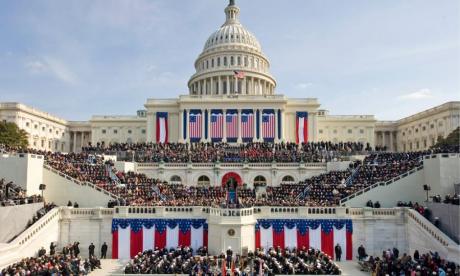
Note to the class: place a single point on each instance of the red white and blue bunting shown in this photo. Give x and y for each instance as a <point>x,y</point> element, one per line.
<point>322,234</point>
<point>131,236</point>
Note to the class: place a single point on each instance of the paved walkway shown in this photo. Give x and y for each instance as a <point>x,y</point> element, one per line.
<point>115,267</point>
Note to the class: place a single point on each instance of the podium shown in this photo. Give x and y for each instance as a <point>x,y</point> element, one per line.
<point>233,228</point>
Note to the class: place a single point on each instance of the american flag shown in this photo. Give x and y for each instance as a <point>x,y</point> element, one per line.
<point>247,125</point>
<point>268,125</point>
<point>232,125</point>
<point>195,125</point>
<point>217,123</point>
<point>239,74</point>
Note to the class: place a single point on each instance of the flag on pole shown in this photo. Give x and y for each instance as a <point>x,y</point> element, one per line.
<point>239,74</point>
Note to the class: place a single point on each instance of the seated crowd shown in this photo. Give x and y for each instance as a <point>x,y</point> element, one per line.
<point>273,262</point>
<point>11,194</point>
<point>67,262</point>
<point>448,199</point>
<point>391,263</point>
<point>223,152</point>
<point>326,189</point>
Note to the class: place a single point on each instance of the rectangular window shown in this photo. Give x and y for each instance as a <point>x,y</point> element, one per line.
<point>115,131</point>
<point>320,131</point>
<point>143,131</point>
<point>104,131</point>
<point>361,131</point>
<point>350,131</point>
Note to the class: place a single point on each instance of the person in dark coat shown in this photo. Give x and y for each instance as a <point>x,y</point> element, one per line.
<point>76,249</point>
<point>41,252</point>
<point>361,252</point>
<point>338,252</point>
<point>229,256</point>
<point>91,250</point>
<point>104,251</point>
<point>52,248</point>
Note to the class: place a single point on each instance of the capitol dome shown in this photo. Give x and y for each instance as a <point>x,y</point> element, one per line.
<point>232,32</point>
<point>232,62</point>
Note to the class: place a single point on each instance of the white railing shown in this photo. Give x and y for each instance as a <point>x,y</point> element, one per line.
<point>234,165</point>
<point>429,228</point>
<point>9,251</point>
<point>81,183</point>
<point>383,183</point>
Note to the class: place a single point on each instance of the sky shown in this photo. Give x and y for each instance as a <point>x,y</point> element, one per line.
<point>79,58</point>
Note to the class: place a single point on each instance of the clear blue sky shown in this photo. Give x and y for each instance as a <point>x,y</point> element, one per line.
<point>79,58</point>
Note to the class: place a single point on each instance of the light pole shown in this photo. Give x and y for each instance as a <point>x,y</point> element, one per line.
<point>42,187</point>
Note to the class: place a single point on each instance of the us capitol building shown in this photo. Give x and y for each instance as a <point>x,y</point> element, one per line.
<point>232,98</point>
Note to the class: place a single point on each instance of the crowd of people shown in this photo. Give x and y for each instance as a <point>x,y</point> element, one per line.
<point>275,261</point>
<point>391,263</point>
<point>448,199</point>
<point>11,194</point>
<point>66,262</point>
<point>224,152</point>
<point>326,189</point>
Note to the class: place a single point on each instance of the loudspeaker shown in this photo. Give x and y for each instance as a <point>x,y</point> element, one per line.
<point>426,188</point>
<point>42,187</point>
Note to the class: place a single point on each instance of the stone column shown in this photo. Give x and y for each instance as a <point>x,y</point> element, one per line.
<point>187,125</point>
<point>228,85</point>
<point>220,91</point>
<point>383,139</point>
<point>254,119</point>
<point>211,88</point>
<point>281,121</point>
<point>74,146</point>
<point>154,128</point>
<point>240,140</point>
<point>243,86</point>
<point>199,87</point>
<point>224,136</point>
<point>181,126</point>
<point>391,142</point>
<point>259,87</point>
<point>276,126</point>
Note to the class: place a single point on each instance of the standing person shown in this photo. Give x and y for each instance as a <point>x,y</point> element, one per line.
<point>229,256</point>
<point>91,250</point>
<point>104,251</point>
<point>338,252</point>
<point>52,248</point>
<point>76,249</point>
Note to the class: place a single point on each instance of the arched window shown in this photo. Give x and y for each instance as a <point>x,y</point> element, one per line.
<point>218,61</point>
<point>225,61</point>
<point>288,179</point>
<point>232,61</point>
<point>175,180</point>
<point>260,181</point>
<point>203,181</point>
